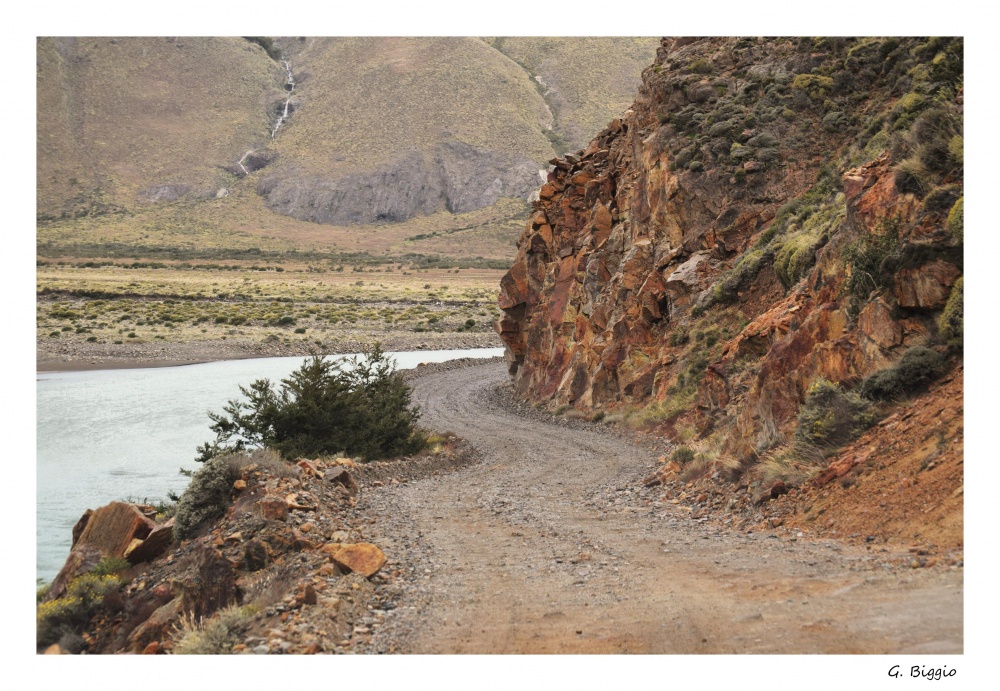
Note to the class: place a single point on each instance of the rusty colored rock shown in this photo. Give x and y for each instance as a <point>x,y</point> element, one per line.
<point>363,557</point>
<point>308,468</point>
<point>112,528</point>
<point>155,544</point>
<point>156,626</point>
<point>80,525</point>
<point>926,287</point>
<point>340,476</point>
<point>273,509</point>
<point>876,322</point>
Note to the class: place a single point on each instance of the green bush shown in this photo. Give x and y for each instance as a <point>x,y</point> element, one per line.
<point>682,454</point>
<point>912,176</point>
<point>795,257</point>
<point>207,495</point>
<point>360,406</point>
<point>942,198</point>
<point>67,614</point>
<point>832,417</point>
<point>952,319</point>
<point>870,258</point>
<point>817,86</point>
<point>110,566</point>
<point>915,370</point>
<point>956,220</point>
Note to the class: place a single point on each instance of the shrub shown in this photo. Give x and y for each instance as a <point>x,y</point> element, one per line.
<point>110,566</point>
<point>815,85</point>
<point>215,636</point>
<point>796,255</point>
<point>682,454</point>
<point>912,176</point>
<point>831,416</point>
<point>915,370</point>
<point>956,147</point>
<point>65,615</point>
<point>951,321</point>
<point>870,259</point>
<point>956,219</point>
<point>792,464</point>
<point>701,66</point>
<point>206,496</point>
<point>942,198</point>
<point>267,43</point>
<point>360,406</point>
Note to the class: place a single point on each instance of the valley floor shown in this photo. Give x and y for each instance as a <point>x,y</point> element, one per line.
<point>551,545</point>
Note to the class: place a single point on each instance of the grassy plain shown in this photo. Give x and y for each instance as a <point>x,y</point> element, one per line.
<point>301,303</point>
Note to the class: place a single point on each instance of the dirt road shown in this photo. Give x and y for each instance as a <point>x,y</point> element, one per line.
<point>550,545</point>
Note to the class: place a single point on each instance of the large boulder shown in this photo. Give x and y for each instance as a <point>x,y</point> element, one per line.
<point>109,531</point>
<point>112,528</point>
<point>363,557</point>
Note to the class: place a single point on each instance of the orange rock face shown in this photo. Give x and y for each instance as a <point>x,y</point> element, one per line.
<point>618,294</point>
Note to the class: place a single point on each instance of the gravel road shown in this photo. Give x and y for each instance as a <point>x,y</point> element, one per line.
<point>549,544</point>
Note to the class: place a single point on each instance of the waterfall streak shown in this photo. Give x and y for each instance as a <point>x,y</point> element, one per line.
<point>291,91</point>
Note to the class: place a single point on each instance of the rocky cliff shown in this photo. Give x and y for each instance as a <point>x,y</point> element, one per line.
<point>769,213</point>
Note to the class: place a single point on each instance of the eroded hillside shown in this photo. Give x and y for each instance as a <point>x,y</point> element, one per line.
<point>174,145</point>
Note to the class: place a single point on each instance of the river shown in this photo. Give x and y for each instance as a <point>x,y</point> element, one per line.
<point>108,435</point>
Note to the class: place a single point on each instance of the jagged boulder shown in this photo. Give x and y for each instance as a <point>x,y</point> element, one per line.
<point>339,476</point>
<point>109,531</point>
<point>155,544</point>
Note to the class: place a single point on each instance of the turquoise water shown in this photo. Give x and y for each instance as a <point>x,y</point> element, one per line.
<point>124,434</point>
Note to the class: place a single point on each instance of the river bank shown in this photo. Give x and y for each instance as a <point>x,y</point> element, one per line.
<point>77,356</point>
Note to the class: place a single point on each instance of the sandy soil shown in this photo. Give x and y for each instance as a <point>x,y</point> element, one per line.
<point>551,545</point>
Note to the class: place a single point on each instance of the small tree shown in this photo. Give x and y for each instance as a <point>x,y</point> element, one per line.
<point>360,406</point>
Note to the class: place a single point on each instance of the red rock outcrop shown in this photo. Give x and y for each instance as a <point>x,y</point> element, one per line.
<point>697,252</point>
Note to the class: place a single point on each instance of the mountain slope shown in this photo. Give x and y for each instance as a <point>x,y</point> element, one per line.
<point>379,130</point>
<point>585,80</point>
<point>127,120</point>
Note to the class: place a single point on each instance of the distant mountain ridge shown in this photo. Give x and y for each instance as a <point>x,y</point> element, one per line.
<point>378,129</point>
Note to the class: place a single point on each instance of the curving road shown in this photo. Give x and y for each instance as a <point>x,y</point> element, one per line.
<point>549,545</point>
